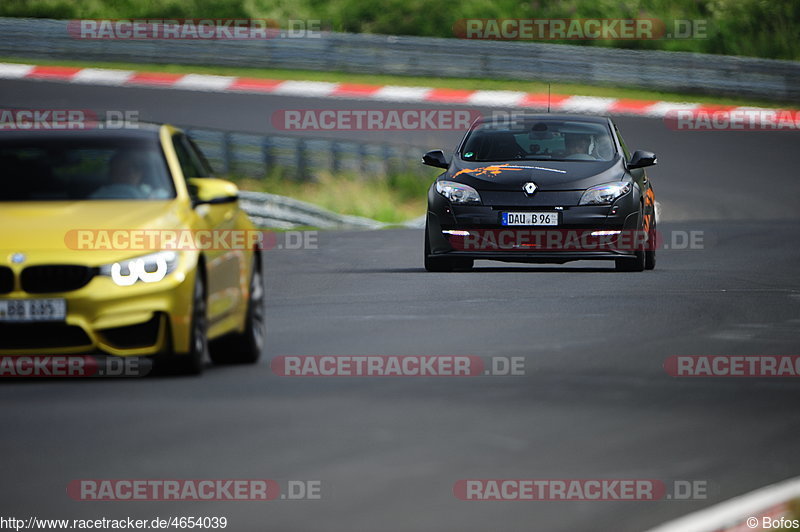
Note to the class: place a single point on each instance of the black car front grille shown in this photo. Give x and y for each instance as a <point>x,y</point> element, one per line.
<point>6,279</point>
<point>55,278</point>
<point>41,336</point>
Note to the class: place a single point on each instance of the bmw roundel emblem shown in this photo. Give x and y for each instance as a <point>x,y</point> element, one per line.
<point>529,188</point>
<point>18,258</point>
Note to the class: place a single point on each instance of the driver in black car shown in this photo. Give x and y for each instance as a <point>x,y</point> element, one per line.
<point>577,146</point>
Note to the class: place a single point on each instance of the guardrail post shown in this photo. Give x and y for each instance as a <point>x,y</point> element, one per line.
<point>227,152</point>
<point>387,159</point>
<point>300,160</point>
<point>336,163</point>
<point>362,158</point>
<point>266,153</point>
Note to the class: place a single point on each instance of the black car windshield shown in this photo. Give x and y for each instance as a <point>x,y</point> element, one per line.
<point>50,169</point>
<point>562,140</point>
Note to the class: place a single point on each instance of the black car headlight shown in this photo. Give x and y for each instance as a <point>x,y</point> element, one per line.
<point>457,192</point>
<point>605,194</point>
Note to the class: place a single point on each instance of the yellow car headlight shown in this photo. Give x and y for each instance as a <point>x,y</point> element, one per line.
<point>147,268</point>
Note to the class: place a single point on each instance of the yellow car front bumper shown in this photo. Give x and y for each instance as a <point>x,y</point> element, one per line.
<point>138,320</point>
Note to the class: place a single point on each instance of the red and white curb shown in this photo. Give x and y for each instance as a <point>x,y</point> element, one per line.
<point>740,514</point>
<point>321,89</point>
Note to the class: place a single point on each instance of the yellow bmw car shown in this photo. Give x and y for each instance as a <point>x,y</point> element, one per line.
<point>120,243</point>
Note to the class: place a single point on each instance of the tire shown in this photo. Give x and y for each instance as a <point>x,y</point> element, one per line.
<point>193,362</point>
<point>443,264</point>
<point>650,252</point>
<point>634,264</point>
<point>246,347</point>
<point>438,264</point>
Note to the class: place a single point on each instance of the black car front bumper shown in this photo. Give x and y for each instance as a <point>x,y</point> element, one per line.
<point>476,231</point>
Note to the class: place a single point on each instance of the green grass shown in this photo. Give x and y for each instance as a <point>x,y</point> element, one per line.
<point>392,199</point>
<point>447,83</point>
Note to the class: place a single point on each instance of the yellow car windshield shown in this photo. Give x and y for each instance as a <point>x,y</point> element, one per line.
<point>83,169</point>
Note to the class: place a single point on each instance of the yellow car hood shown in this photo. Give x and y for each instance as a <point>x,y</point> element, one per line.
<point>45,232</point>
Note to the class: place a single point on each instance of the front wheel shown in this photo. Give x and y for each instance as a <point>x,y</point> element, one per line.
<point>446,264</point>
<point>193,362</point>
<point>650,252</point>
<point>246,347</point>
<point>635,264</point>
<point>443,264</point>
<point>638,262</point>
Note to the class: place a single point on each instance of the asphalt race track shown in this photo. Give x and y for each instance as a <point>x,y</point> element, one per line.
<point>595,401</point>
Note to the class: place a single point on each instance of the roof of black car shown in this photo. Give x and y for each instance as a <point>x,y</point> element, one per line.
<point>516,116</point>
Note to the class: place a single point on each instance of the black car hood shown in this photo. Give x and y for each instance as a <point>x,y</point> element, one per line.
<point>548,175</point>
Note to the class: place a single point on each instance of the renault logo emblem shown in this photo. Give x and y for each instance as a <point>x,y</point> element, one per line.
<point>18,258</point>
<point>529,188</point>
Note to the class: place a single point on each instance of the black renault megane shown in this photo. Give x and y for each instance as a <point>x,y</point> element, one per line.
<point>541,189</point>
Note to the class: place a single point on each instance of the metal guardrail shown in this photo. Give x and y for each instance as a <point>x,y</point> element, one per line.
<point>427,56</point>
<point>300,158</point>
<point>281,212</point>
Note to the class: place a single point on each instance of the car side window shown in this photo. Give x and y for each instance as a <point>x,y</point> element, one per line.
<point>200,158</point>
<point>187,160</point>
<point>622,143</point>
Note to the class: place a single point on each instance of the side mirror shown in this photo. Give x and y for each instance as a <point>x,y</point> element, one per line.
<point>641,159</point>
<point>212,191</point>
<point>435,158</point>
